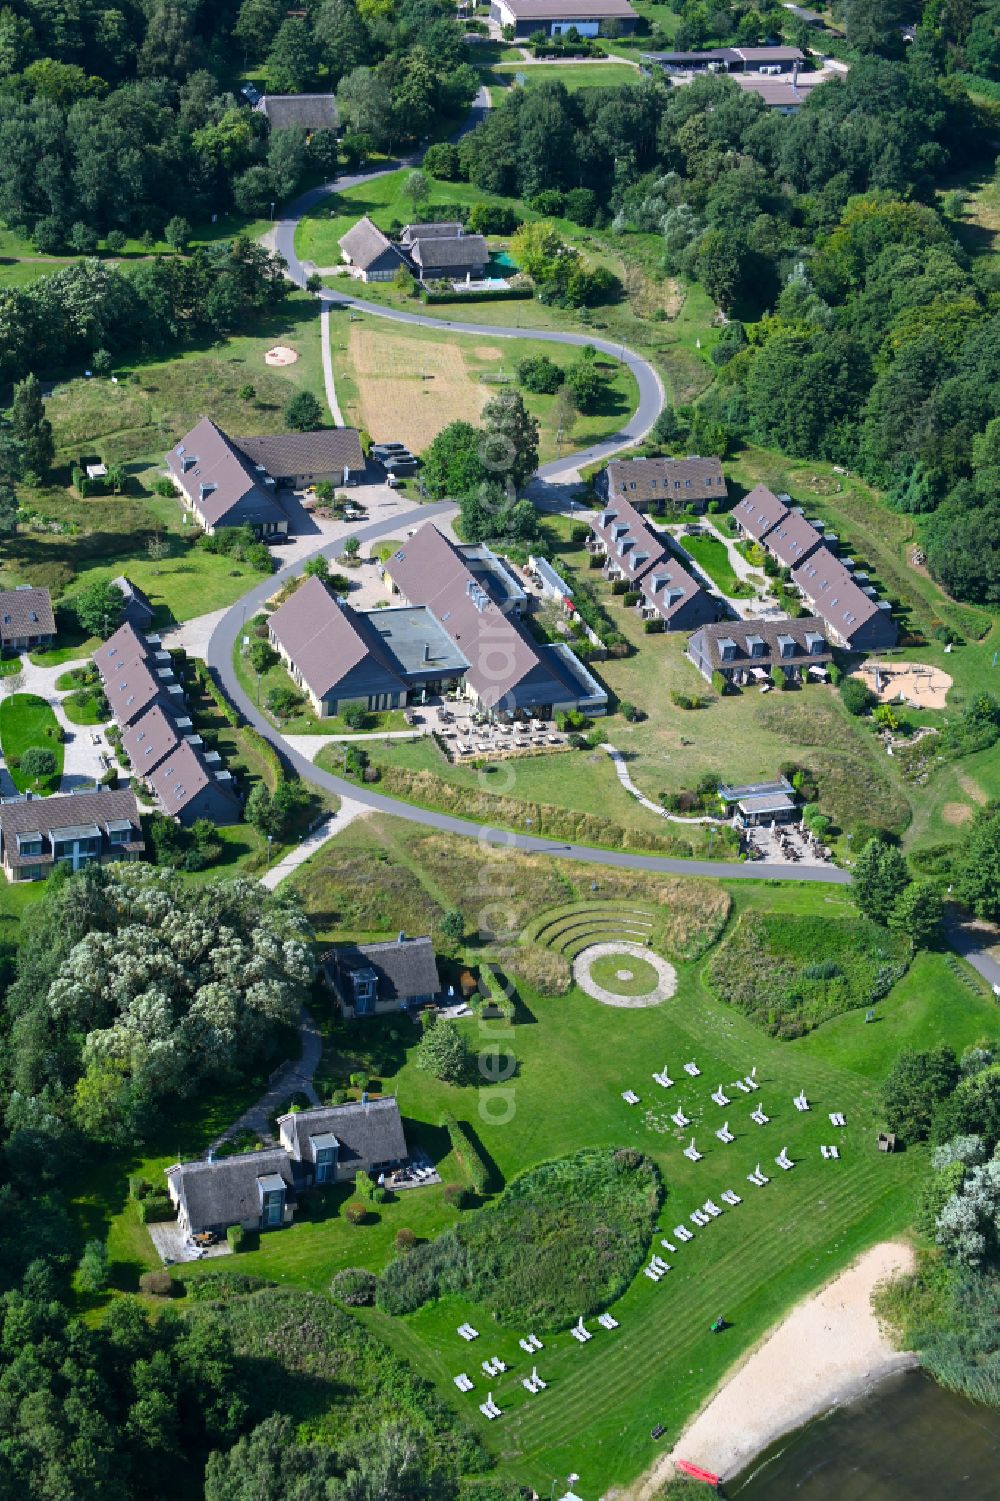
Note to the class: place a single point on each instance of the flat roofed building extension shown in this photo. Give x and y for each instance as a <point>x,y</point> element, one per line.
<point>506,668</point>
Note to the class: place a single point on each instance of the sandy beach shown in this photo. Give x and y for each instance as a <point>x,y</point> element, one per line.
<point>827,1350</point>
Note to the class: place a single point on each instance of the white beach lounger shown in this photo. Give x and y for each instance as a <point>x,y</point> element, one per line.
<point>698,1218</point>
<point>580,1332</point>
<point>540,1385</point>
<point>730,1198</point>
<point>757,1178</point>
<point>724,1134</point>
<point>487,1411</point>
<point>829,1152</point>
<point>758,1117</point>
<point>526,1346</point>
<point>607,1321</point>
<point>837,1118</point>
<point>750,1079</point>
<point>668,1246</point>
<point>692,1069</point>
<point>535,1342</point>
<point>738,1084</point>
<point>800,1102</point>
<point>720,1097</point>
<point>680,1119</point>
<point>652,1273</point>
<point>783,1160</point>
<point>630,1097</point>
<point>664,1080</point>
<point>710,1207</point>
<point>691,1152</point>
<point>681,1232</point>
<point>463,1383</point>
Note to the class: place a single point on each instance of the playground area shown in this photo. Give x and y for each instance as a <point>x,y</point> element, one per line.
<point>280,355</point>
<point>913,683</point>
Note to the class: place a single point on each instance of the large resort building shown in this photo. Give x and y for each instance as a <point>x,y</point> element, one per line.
<point>456,630</point>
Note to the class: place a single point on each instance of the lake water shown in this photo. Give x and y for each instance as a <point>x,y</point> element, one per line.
<point>907,1441</point>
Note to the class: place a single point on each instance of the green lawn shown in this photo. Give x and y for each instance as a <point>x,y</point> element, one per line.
<point>711,555</point>
<point>573,76</point>
<point>25,720</point>
<point>408,364</point>
<point>574,1060</point>
<point>63,541</point>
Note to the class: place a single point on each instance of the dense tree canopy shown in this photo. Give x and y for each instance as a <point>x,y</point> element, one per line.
<point>134,988</point>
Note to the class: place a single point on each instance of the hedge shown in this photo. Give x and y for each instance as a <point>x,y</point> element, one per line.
<point>467,1150</point>
<point>499,294</point>
<point>267,753</point>
<point>496,996</point>
<point>154,1210</point>
<point>230,714</point>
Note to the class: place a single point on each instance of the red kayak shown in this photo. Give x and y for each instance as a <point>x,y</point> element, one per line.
<point>686,1468</point>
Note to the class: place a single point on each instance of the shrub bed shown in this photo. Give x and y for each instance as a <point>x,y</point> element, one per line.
<point>789,974</point>
<point>564,1239</point>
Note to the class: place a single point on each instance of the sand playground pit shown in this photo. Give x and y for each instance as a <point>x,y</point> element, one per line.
<point>910,682</point>
<point>280,355</point>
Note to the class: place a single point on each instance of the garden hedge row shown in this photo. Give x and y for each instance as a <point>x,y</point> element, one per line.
<point>466,1149</point>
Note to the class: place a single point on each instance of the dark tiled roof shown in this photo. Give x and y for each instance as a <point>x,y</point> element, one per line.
<point>287,454</point>
<point>793,539</point>
<point>429,570</point>
<point>180,776</point>
<point>301,111</point>
<point>759,511</point>
<point>216,476</point>
<point>228,1191</point>
<point>40,815</point>
<point>131,688</point>
<point>364,243</point>
<point>709,641</point>
<point>136,602</point>
<point>779,92</point>
<point>833,593</point>
<point>678,480</point>
<point>468,251</point>
<point>668,586</point>
<point>26,612</point>
<point>446,229</point>
<point>148,740</point>
<point>126,645</point>
<point>405,968</point>
<point>326,641</point>
<point>367,1132</point>
<point>630,541</point>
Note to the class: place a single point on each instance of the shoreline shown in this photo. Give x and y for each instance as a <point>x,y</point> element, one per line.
<point>827,1350</point>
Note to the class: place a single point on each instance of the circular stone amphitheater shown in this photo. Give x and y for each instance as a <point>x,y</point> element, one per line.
<point>624,974</point>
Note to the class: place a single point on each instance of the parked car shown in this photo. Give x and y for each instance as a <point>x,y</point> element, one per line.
<point>250,94</point>
<point>383,450</point>
<point>400,464</point>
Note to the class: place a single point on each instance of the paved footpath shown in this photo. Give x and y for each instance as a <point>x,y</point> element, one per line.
<point>349,810</point>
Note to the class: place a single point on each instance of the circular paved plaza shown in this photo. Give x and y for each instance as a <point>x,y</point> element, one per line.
<point>624,974</point>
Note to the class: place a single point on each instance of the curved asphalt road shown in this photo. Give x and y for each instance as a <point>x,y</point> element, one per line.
<point>223,641</point>
<point>220,660</point>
